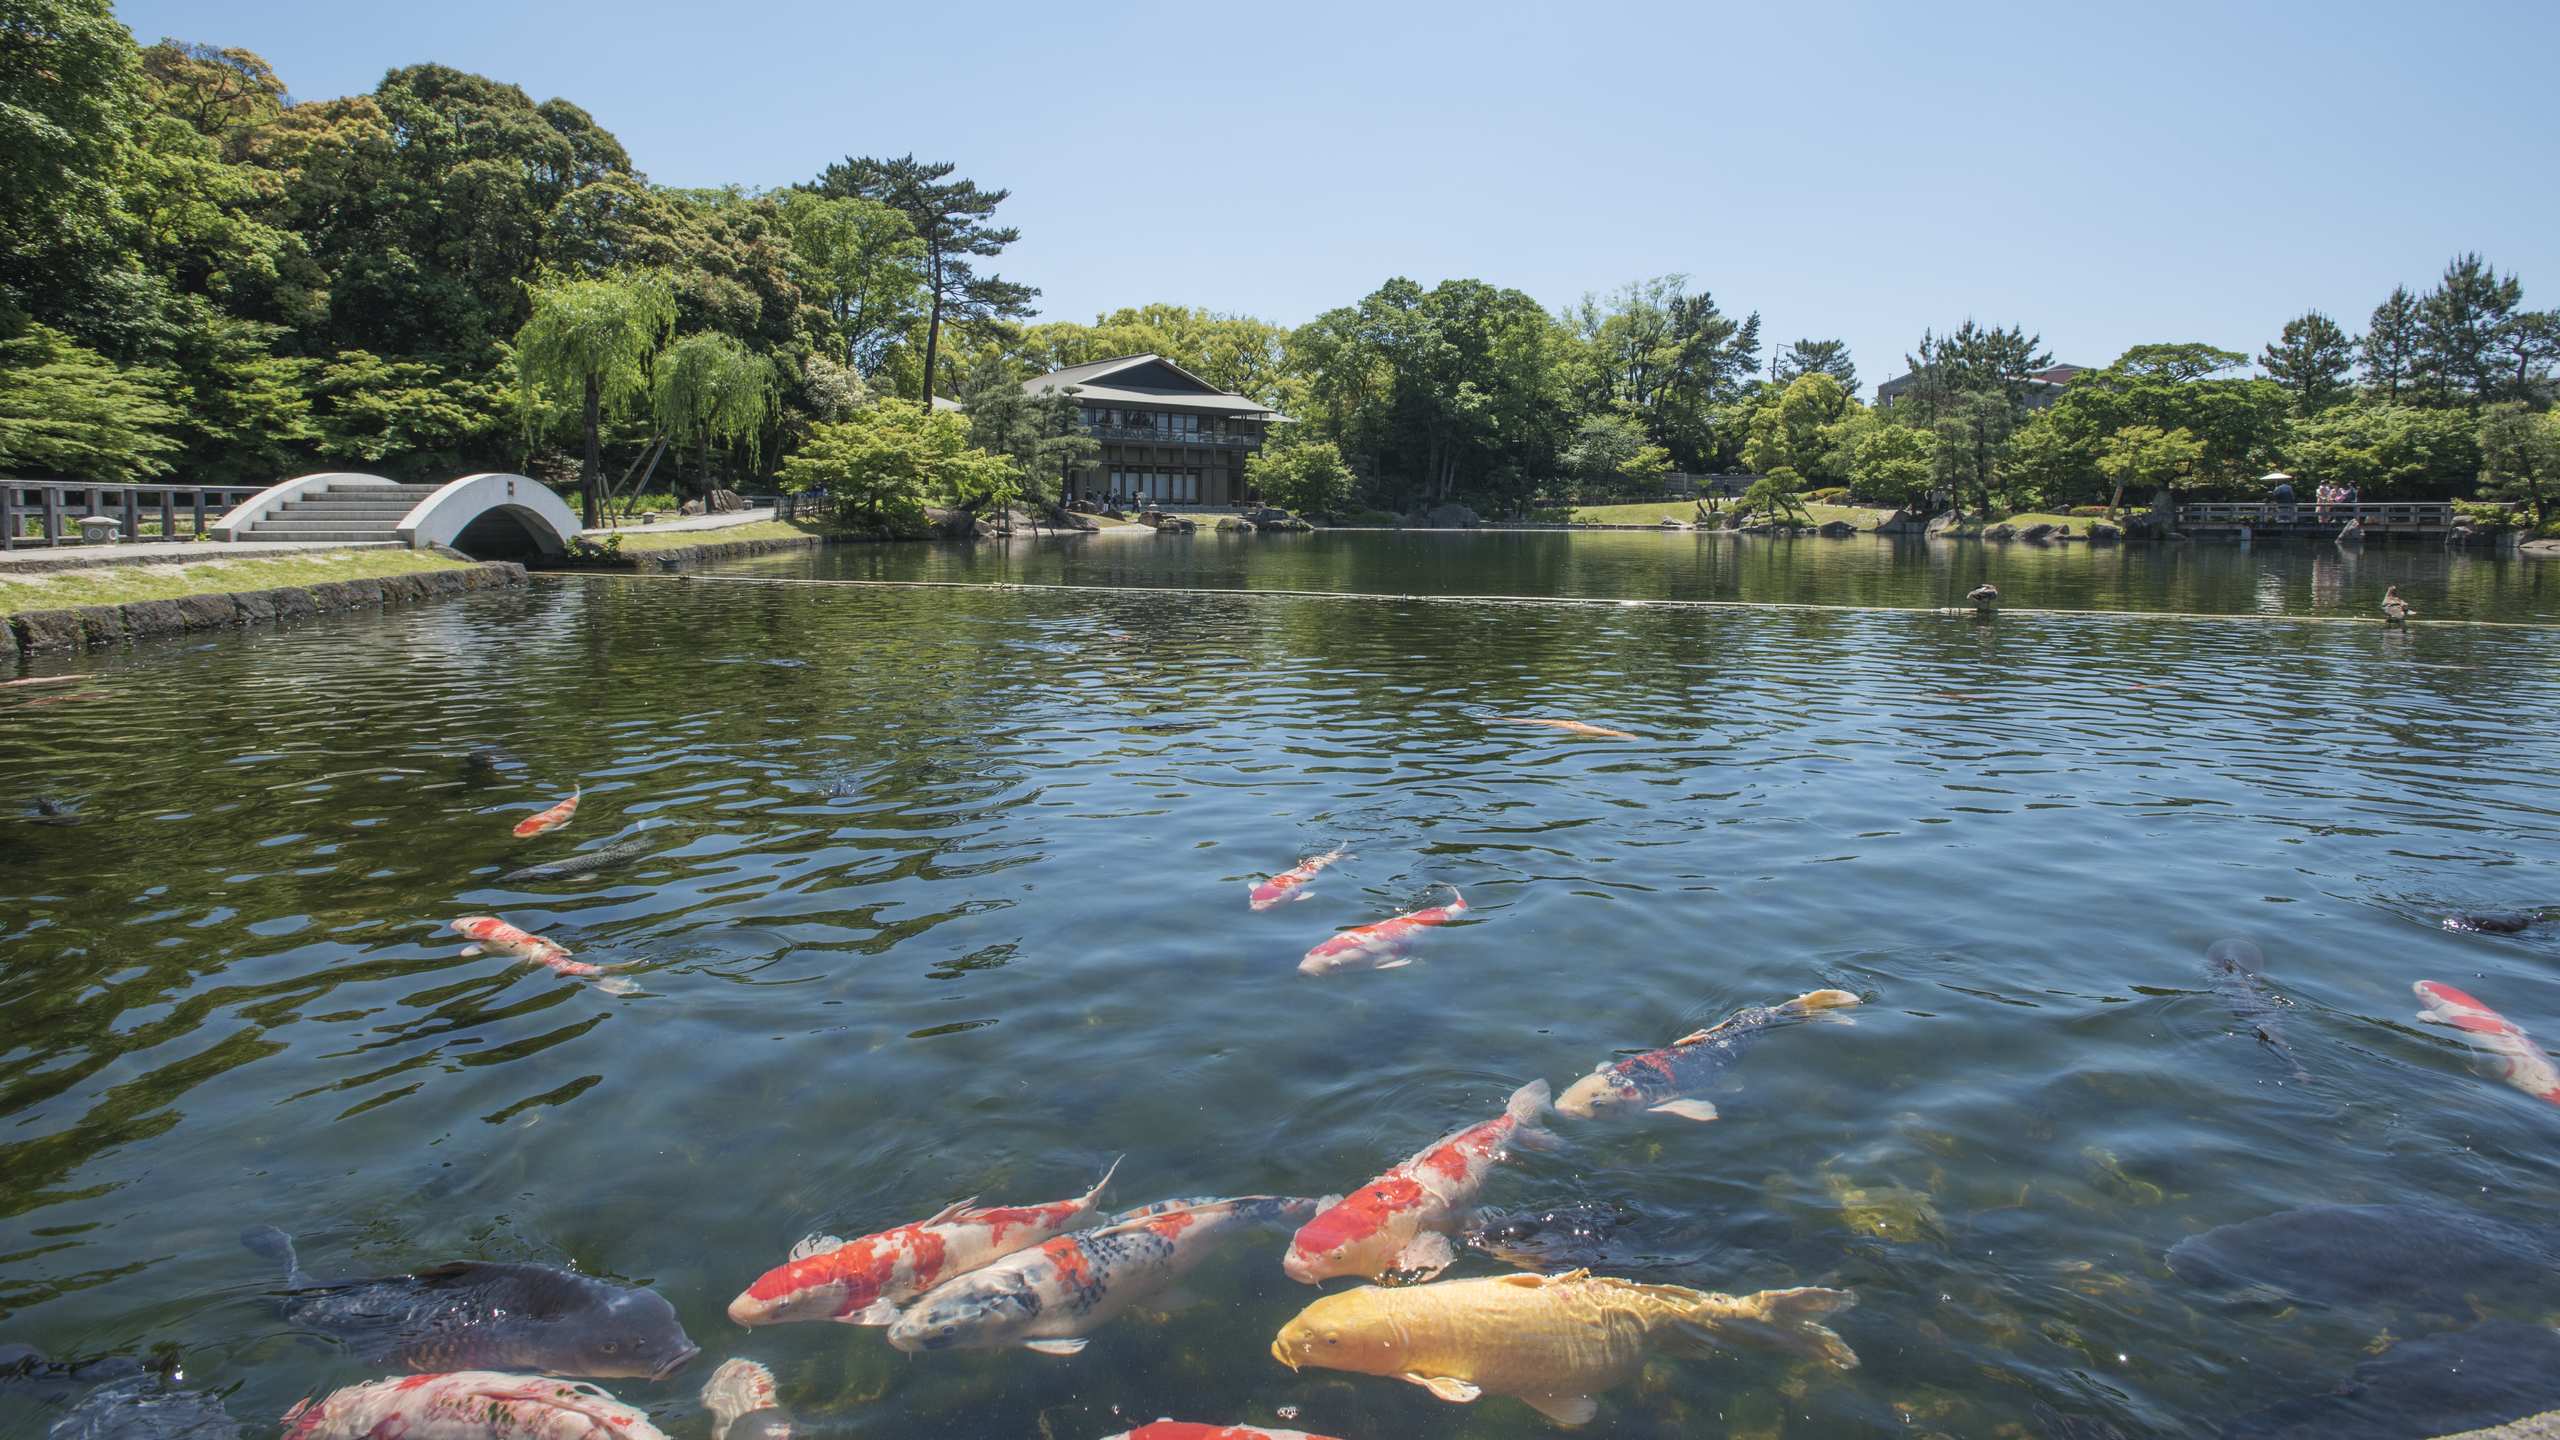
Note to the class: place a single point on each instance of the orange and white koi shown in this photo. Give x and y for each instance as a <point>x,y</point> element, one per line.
<point>1292,884</point>
<point>745,1403</point>
<point>1570,727</point>
<point>490,935</point>
<point>469,1405</point>
<point>1049,1298</point>
<point>1399,1222</point>
<point>865,1281</point>
<point>2522,1063</point>
<point>1379,946</point>
<point>1191,1431</point>
<point>551,819</point>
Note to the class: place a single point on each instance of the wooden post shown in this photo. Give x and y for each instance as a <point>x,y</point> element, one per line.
<point>168,514</point>
<point>199,512</point>
<point>132,513</point>
<point>8,515</point>
<point>52,514</point>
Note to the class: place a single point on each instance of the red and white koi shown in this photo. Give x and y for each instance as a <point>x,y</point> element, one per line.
<point>1049,1298</point>
<point>551,819</point>
<point>745,1403</point>
<point>1191,1431</point>
<point>490,935</point>
<point>2522,1063</point>
<point>1399,1222</point>
<point>469,1405</point>
<point>1292,884</point>
<point>866,1281</point>
<point>1379,946</point>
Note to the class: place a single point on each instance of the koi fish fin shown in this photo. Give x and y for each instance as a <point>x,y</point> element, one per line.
<point>619,987</point>
<point>815,1245</point>
<point>1692,1038</point>
<point>1567,1410</point>
<point>472,952</point>
<point>276,1248</point>
<point>1426,1255</point>
<point>1455,1391</point>
<point>878,1312</point>
<point>1814,1002</point>
<point>1054,1347</point>
<point>1698,1110</point>
<point>1529,1101</point>
<point>1397,963</point>
<point>950,1212</point>
<point>1108,1171</point>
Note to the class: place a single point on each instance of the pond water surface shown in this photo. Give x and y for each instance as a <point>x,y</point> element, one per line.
<point>952,903</point>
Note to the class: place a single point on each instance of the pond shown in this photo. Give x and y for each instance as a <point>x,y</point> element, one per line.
<point>948,898</point>
<point>2272,579</point>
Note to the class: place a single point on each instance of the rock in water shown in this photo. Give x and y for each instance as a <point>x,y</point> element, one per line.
<point>2428,1386</point>
<point>2407,1256</point>
<point>474,1316</point>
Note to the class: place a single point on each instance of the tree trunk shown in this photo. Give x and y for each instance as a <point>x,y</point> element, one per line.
<point>593,465</point>
<point>933,333</point>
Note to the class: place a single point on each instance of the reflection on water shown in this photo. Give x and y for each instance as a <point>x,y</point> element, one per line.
<point>949,898</point>
<point>2286,579</point>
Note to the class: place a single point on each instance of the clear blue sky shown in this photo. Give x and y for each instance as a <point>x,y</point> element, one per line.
<point>2104,175</point>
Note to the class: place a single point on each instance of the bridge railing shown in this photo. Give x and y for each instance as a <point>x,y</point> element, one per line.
<point>2381,515</point>
<point>47,512</point>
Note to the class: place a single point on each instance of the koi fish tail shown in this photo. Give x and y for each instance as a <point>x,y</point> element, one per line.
<point>276,1247</point>
<point>1107,1172</point>
<point>1527,1106</point>
<point>1789,1321</point>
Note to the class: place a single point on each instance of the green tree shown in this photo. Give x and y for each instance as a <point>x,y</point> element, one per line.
<point>950,218</point>
<point>593,341</point>
<point>2520,456</point>
<point>881,462</point>
<point>1610,451</point>
<point>1232,352</point>
<point>2392,340</point>
<point>1971,360</point>
<point>1778,495</point>
<point>2462,328</point>
<point>2388,452</point>
<point>1666,355</point>
<point>2147,458</point>
<point>710,391</point>
<point>1818,357</point>
<point>1042,433</point>
<point>65,411</point>
<point>1971,434</point>
<point>1309,478</point>
<point>861,262</point>
<point>70,93</point>
<point>1788,429</point>
<point>410,419</point>
<point>1890,463</point>
<point>2313,360</point>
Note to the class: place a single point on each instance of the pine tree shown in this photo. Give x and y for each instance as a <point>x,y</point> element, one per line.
<point>950,218</point>
<point>2462,327</point>
<point>2391,342</point>
<point>1826,357</point>
<point>2312,359</point>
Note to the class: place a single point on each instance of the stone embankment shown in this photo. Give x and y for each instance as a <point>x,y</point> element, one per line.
<point>97,627</point>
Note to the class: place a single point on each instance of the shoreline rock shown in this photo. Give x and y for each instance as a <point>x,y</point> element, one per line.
<point>98,627</point>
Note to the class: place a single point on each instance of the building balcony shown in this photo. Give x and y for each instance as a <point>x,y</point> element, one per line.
<point>1148,435</point>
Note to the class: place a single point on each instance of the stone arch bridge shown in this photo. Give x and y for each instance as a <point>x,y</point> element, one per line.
<point>487,517</point>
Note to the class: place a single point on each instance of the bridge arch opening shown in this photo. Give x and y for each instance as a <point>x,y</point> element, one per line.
<point>503,532</point>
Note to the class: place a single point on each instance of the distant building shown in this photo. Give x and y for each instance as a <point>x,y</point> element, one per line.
<point>2043,387</point>
<point>1168,436</point>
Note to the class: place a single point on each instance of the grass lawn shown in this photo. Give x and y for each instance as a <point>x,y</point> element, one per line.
<point>2079,523</point>
<point>642,541</point>
<point>119,584</point>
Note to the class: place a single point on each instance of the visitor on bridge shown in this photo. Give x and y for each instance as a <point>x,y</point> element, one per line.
<point>2281,495</point>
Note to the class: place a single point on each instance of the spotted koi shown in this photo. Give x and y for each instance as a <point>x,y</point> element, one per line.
<point>490,935</point>
<point>1379,946</point>
<point>1292,884</point>
<point>468,1405</point>
<point>1399,1222</point>
<point>1666,1081</point>
<point>551,819</point>
<point>1050,1297</point>
<point>745,1403</point>
<point>866,1281</point>
<point>1187,1430</point>
<point>2521,1063</point>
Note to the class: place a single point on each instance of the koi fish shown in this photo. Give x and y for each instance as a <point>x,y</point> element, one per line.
<point>866,1281</point>
<point>551,819</point>
<point>1399,1221</point>
<point>1546,1340</point>
<point>1047,1299</point>
<point>41,680</point>
<point>469,1405</point>
<point>1665,1081</point>
<point>1291,884</point>
<point>1570,727</point>
<point>2237,971</point>
<point>490,935</point>
<point>1378,946</point>
<point>744,1402</point>
<point>1188,1430</point>
<point>2521,1062</point>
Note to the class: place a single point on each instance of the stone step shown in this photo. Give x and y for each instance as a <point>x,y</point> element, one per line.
<point>316,537</point>
<point>299,527</point>
<point>393,509</point>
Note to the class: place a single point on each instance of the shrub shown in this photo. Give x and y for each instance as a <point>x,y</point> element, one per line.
<point>1828,495</point>
<point>2489,519</point>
